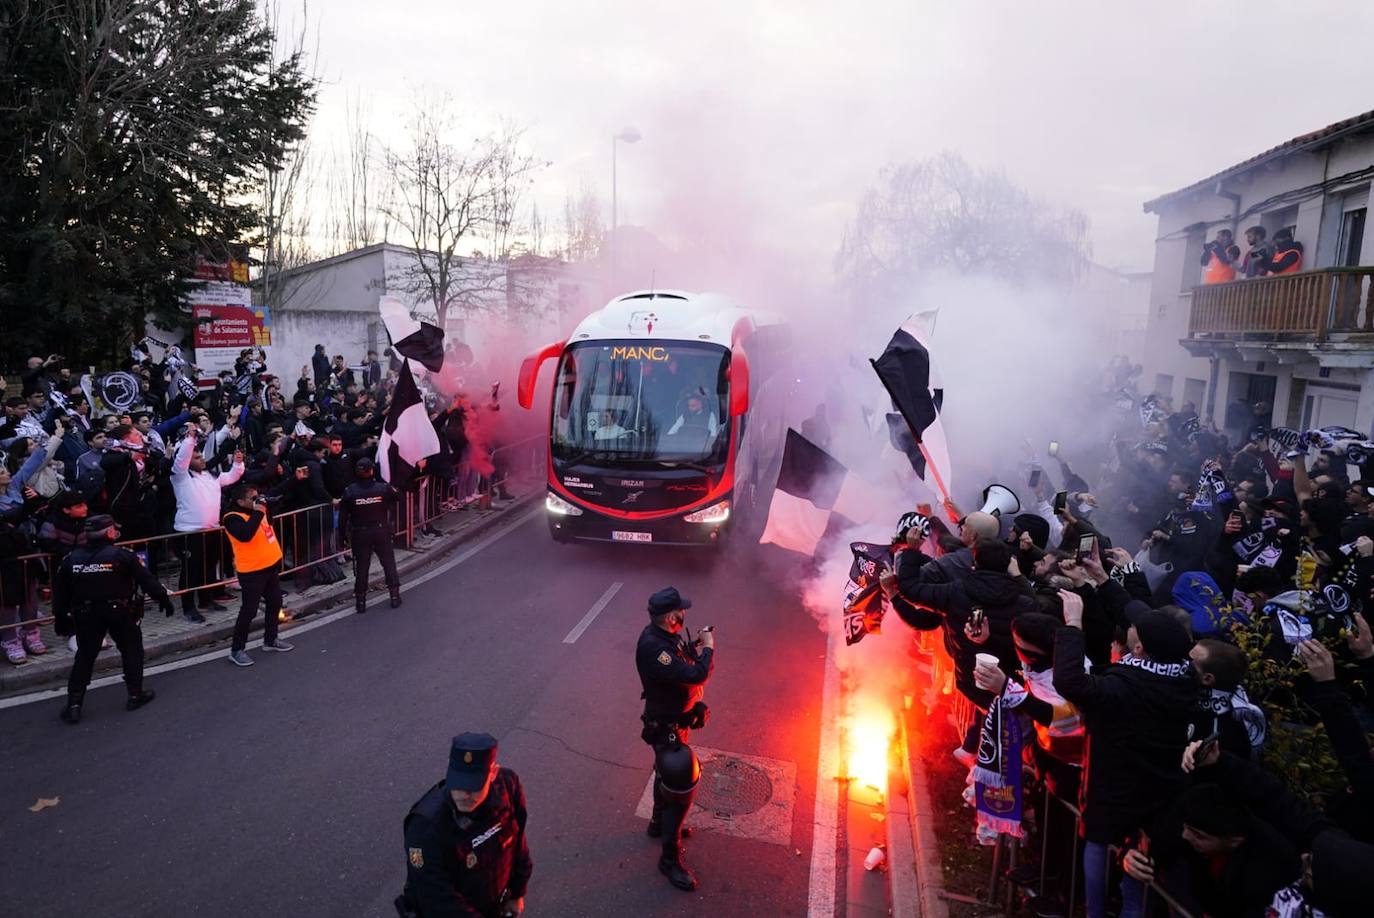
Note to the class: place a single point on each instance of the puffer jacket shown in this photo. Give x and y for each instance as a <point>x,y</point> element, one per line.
<point>1137,718</point>
<point>1001,596</point>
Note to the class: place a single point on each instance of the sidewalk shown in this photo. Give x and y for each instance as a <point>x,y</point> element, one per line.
<point>163,636</point>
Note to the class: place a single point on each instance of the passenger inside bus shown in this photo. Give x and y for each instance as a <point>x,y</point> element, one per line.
<point>604,427</point>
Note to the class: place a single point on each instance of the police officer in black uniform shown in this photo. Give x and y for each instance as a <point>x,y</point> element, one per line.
<point>365,518</point>
<point>466,852</point>
<point>93,593</point>
<point>673,670</point>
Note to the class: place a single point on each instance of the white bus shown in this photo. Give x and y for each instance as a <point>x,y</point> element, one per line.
<point>667,415</point>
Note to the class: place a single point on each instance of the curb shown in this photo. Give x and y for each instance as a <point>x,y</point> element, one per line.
<point>911,840</point>
<point>22,679</point>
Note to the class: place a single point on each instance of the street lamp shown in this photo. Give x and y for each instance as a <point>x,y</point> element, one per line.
<point>628,135</point>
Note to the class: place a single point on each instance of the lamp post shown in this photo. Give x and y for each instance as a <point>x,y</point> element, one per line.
<point>628,135</point>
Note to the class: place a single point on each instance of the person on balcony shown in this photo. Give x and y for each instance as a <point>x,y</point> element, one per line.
<point>1219,259</point>
<point>1256,260</point>
<point>1287,257</point>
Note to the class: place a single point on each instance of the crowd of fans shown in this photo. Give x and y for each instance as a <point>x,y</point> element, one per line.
<point>1178,626</point>
<point>163,462</point>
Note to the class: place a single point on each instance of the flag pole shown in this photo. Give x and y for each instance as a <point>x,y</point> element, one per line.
<point>930,464</point>
<point>939,482</point>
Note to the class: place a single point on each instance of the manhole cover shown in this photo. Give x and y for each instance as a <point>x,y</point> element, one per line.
<point>730,787</point>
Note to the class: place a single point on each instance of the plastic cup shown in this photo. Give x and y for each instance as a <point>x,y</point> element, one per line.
<point>987,659</point>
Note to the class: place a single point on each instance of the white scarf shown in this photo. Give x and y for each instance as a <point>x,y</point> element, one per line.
<point>1239,705</point>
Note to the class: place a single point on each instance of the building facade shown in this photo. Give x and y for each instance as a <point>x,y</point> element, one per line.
<point>334,302</point>
<point>1294,350</point>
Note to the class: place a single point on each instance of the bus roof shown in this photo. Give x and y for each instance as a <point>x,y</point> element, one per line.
<point>674,315</point>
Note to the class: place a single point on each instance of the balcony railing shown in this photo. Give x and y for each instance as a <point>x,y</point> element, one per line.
<point>1310,304</point>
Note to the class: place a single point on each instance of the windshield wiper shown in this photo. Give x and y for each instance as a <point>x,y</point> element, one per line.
<point>582,455</point>
<point>676,464</point>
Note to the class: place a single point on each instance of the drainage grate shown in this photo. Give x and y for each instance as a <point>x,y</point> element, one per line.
<point>732,788</point>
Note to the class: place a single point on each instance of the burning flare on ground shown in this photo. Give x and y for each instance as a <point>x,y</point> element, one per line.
<point>869,729</point>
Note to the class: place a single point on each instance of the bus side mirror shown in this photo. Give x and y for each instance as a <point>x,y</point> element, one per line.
<point>529,372</point>
<point>739,381</point>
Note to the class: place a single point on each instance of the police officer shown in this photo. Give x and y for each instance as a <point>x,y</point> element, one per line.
<point>93,595</point>
<point>673,671</point>
<point>365,519</point>
<point>466,852</point>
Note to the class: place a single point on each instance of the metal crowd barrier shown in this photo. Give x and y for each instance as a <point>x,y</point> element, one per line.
<point>1005,851</point>
<point>190,562</point>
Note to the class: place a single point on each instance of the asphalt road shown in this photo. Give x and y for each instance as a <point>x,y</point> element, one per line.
<point>279,790</point>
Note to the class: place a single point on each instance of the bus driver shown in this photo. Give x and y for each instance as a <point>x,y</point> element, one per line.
<point>696,415</point>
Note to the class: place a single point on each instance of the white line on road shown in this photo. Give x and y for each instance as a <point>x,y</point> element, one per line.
<point>825,825</point>
<point>592,613</point>
<point>443,568</point>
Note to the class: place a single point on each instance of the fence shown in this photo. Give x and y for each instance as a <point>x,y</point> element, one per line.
<point>1000,891</point>
<point>192,565</point>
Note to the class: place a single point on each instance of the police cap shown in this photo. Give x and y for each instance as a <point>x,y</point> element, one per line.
<point>364,466</point>
<point>100,523</point>
<point>667,600</point>
<point>469,761</point>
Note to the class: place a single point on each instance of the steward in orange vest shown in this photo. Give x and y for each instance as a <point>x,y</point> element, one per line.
<point>1287,257</point>
<point>1219,259</point>
<point>257,558</point>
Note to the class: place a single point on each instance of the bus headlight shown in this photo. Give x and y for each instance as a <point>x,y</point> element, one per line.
<point>555,504</point>
<point>716,513</point>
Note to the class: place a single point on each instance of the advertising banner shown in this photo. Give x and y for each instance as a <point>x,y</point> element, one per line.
<point>226,321</point>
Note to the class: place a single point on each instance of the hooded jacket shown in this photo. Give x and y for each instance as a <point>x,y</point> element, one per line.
<point>948,568</point>
<point>1001,596</point>
<point>1137,721</point>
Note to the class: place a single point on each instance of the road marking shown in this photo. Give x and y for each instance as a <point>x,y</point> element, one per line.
<point>592,613</point>
<point>443,568</point>
<point>825,828</point>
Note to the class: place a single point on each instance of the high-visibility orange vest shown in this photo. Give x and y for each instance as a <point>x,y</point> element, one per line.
<point>1296,266</point>
<point>1218,271</point>
<point>261,551</point>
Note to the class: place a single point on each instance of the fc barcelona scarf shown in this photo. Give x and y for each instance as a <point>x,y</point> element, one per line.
<point>997,774</point>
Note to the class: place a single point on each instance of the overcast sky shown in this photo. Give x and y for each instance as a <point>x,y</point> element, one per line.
<point>789,109</point>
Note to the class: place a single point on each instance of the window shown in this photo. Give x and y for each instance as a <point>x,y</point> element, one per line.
<point>1275,220</point>
<point>642,401</point>
<point>1193,392</point>
<point>1351,238</point>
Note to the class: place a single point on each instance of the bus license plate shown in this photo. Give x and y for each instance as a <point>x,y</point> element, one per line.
<point>618,535</point>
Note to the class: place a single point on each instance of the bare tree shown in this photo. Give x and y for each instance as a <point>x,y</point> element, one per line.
<point>536,231</point>
<point>583,231</point>
<point>450,199</point>
<point>943,213</point>
<point>357,187</point>
<point>287,185</point>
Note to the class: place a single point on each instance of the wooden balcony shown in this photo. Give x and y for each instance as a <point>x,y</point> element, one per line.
<point>1310,305</point>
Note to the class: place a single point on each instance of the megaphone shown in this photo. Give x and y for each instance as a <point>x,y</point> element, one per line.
<point>1000,501</point>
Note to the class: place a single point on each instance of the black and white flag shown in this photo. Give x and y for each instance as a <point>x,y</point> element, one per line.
<point>407,434</point>
<point>907,372</point>
<point>812,487</point>
<point>418,341</point>
<point>864,603</point>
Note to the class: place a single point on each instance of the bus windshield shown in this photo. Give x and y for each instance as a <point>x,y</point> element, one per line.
<point>642,400</point>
